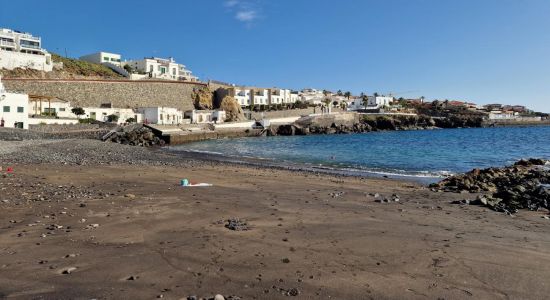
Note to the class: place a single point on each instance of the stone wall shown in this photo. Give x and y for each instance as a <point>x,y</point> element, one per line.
<point>121,93</point>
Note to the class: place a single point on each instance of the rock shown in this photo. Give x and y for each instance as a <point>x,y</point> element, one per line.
<point>237,224</point>
<point>293,292</point>
<point>523,185</point>
<point>219,297</point>
<point>192,298</point>
<point>131,196</point>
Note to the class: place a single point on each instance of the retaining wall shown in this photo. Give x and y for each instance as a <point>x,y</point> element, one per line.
<point>121,93</point>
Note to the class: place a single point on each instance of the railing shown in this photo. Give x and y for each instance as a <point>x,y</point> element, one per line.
<point>6,43</point>
<point>30,47</point>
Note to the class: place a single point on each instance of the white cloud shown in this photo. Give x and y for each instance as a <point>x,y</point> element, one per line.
<point>231,3</point>
<point>246,15</point>
<point>246,11</point>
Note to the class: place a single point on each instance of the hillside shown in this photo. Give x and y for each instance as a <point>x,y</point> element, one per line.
<point>72,68</point>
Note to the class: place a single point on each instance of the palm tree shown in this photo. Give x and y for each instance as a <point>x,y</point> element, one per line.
<point>365,100</point>
<point>339,93</point>
<point>347,95</point>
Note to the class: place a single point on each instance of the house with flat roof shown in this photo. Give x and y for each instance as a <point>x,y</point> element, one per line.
<point>103,58</point>
<point>23,50</point>
<point>161,68</point>
<point>13,109</point>
<point>161,115</point>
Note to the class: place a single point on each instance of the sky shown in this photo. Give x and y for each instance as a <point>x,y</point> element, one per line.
<point>484,51</point>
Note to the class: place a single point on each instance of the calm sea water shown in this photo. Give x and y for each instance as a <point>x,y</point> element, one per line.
<point>428,153</point>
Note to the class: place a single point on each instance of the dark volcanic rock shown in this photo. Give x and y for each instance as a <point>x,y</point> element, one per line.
<point>525,185</point>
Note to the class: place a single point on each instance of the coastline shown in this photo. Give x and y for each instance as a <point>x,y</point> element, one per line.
<point>96,208</point>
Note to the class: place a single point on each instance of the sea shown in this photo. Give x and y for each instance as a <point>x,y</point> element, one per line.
<point>426,155</point>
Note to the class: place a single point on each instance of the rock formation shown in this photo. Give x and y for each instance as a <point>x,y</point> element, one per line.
<point>233,110</point>
<point>525,185</point>
<point>134,135</point>
<point>203,99</point>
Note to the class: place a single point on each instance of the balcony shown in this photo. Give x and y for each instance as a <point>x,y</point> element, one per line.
<point>7,44</point>
<point>35,47</point>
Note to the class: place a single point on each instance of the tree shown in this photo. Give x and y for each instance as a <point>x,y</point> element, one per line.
<point>376,94</point>
<point>112,118</point>
<point>128,69</point>
<point>339,93</point>
<point>130,120</point>
<point>347,95</point>
<point>326,101</point>
<point>78,111</point>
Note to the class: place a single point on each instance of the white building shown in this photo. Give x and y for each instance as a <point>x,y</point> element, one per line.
<point>260,97</point>
<point>13,109</point>
<point>49,106</point>
<point>102,114</point>
<point>313,96</point>
<point>23,50</point>
<point>379,101</point>
<point>161,68</point>
<point>161,115</point>
<point>206,116</point>
<point>355,104</point>
<point>103,58</point>
<point>243,96</point>
<point>503,115</point>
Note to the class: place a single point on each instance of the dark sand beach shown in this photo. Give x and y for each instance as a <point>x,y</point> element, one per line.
<point>123,228</point>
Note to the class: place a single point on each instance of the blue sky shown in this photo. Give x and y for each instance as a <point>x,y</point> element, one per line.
<point>479,50</point>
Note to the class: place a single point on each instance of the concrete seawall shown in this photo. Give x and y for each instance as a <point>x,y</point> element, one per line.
<point>121,93</point>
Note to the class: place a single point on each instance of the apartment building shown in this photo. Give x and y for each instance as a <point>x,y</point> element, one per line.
<point>23,50</point>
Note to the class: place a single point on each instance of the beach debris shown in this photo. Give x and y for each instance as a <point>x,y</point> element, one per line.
<point>337,194</point>
<point>524,185</point>
<point>130,196</point>
<point>237,224</point>
<point>92,226</point>
<point>380,199</point>
<point>68,270</point>
<point>285,260</point>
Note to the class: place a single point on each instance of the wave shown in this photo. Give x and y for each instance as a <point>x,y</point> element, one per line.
<point>333,168</point>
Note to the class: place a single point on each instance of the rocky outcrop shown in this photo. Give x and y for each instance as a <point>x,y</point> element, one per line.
<point>233,110</point>
<point>525,185</point>
<point>134,135</point>
<point>203,99</point>
<point>399,122</point>
<point>457,121</point>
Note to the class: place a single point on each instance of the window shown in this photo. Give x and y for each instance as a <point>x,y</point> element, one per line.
<point>6,109</point>
<point>106,59</point>
<point>61,109</point>
<point>20,109</point>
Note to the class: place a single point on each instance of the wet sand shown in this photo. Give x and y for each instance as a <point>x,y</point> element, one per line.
<point>132,233</point>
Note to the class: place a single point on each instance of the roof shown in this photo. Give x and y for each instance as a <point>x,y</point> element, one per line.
<point>43,97</point>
